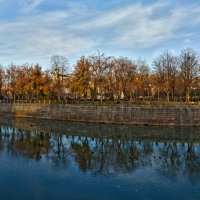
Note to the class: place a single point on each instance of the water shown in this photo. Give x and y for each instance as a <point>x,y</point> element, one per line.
<point>57,160</point>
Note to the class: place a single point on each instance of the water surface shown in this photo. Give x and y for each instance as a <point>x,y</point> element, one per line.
<point>59,160</point>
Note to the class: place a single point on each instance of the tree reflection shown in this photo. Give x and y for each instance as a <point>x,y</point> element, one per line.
<point>101,155</point>
<point>28,144</point>
<point>192,160</point>
<point>83,154</point>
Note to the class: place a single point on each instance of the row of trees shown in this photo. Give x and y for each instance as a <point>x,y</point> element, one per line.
<point>30,82</point>
<point>172,77</point>
<point>97,76</point>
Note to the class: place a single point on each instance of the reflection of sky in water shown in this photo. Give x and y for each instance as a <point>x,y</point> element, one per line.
<point>48,165</point>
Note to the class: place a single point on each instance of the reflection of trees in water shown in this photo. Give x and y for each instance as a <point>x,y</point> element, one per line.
<point>192,160</point>
<point>103,155</point>
<point>170,159</point>
<point>29,144</point>
<point>58,152</point>
<point>174,159</point>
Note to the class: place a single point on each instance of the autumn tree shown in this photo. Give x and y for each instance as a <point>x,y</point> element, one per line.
<point>110,82</point>
<point>98,69</point>
<point>37,82</point>
<point>142,82</point>
<point>81,78</point>
<point>124,73</point>
<point>47,89</point>
<point>23,76</point>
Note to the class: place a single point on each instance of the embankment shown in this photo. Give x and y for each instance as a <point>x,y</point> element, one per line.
<point>116,114</point>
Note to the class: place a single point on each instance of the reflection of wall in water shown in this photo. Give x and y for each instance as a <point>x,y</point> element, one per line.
<point>107,130</point>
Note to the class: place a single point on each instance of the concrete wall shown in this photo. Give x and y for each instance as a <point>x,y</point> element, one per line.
<point>118,114</point>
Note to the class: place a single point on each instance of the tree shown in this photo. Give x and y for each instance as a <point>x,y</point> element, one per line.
<point>60,67</point>
<point>2,76</point>
<point>11,78</point>
<point>47,85</point>
<point>81,78</point>
<point>124,73</point>
<point>189,69</point>
<point>166,67</point>
<point>37,81</point>
<point>23,76</point>
<point>143,80</point>
<point>109,81</point>
<point>98,69</point>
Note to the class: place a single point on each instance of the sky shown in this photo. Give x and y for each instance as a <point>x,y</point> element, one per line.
<point>31,31</point>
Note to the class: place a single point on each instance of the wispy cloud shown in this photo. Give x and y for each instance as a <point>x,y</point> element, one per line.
<point>140,26</point>
<point>40,29</point>
<point>30,5</point>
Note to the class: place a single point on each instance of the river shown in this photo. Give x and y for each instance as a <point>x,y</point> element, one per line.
<point>58,160</point>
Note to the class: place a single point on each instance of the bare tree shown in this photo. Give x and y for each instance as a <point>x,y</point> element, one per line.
<point>2,80</point>
<point>60,67</point>
<point>166,68</point>
<point>11,78</point>
<point>189,69</point>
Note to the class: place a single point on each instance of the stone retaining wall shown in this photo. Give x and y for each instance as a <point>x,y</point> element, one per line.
<point>117,114</point>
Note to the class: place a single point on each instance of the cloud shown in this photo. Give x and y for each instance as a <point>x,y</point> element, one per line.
<point>71,27</point>
<point>143,25</point>
<point>30,5</point>
<point>42,35</point>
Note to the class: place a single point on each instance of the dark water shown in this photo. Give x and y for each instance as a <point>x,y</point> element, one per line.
<point>57,160</point>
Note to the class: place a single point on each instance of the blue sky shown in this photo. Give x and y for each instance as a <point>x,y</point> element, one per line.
<point>34,30</point>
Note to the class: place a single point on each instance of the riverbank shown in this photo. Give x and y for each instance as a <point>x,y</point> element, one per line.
<point>116,114</point>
